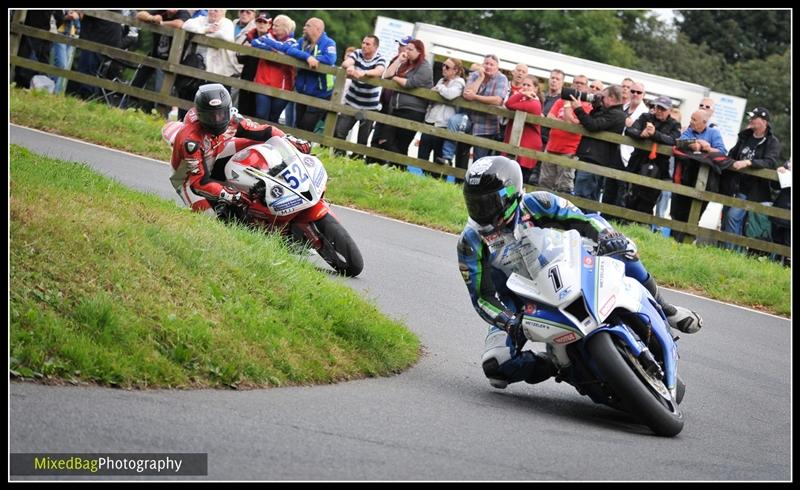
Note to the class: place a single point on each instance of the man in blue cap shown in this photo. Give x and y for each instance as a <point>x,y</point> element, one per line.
<point>660,128</point>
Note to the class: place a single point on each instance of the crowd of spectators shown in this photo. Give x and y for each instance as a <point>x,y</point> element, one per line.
<point>622,109</point>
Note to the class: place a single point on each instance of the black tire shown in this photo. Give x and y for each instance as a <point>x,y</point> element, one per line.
<point>338,248</point>
<point>640,400</point>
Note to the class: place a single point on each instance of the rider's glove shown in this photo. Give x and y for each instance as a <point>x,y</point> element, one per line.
<point>611,242</point>
<point>302,145</point>
<point>514,330</point>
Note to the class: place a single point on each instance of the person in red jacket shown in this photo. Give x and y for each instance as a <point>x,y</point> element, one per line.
<point>277,39</point>
<point>526,99</point>
<point>212,132</point>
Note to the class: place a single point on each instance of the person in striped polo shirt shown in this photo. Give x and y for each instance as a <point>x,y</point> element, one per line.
<point>362,63</point>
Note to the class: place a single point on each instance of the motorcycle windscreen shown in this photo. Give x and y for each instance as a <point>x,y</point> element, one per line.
<point>300,188</point>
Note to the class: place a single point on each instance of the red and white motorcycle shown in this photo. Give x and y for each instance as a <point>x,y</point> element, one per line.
<point>286,194</point>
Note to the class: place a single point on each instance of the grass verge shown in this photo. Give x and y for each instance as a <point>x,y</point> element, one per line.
<point>707,271</point>
<point>144,294</point>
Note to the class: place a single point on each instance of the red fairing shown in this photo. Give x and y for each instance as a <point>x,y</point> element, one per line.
<point>315,212</point>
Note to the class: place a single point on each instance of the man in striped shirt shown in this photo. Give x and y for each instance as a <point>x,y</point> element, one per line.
<point>364,62</point>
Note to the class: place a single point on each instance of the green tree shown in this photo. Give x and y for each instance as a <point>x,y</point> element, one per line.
<point>763,82</point>
<point>590,34</point>
<point>766,83</point>
<point>739,35</point>
<point>695,63</point>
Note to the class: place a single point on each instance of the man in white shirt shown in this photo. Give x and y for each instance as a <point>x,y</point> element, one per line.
<point>635,108</point>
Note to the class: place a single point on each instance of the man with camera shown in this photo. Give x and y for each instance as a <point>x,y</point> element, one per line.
<point>658,127</point>
<point>607,115</point>
<point>560,142</point>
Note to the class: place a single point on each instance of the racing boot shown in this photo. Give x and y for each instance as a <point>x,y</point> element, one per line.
<point>543,369</point>
<point>680,318</point>
<point>526,366</point>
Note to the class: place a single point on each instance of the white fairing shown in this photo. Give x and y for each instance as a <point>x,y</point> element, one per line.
<point>550,252</point>
<point>556,270</point>
<point>294,181</point>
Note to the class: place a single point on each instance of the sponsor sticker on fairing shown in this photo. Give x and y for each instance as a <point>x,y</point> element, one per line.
<point>286,204</point>
<point>604,310</point>
<point>535,324</point>
<point>566,338</point>
<point>318,176</point>
<point>276,192</point>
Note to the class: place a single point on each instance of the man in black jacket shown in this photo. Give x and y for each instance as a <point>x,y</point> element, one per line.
<point>607,116</point>
<point>658,127</point>
<point>756,147</point>
<point>100,31</point>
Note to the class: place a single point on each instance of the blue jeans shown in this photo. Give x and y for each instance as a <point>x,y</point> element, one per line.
<point>88,63</point>
<point>478,152</point>
<point>662,203</point>
<point>733,222</point>
<point>269,108</point>
<point>458,123</point>
<point>587,185</point>
<point>61,56</point>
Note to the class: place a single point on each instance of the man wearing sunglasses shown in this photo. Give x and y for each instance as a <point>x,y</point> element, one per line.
<point>707,104</point>
<point>634,110</point>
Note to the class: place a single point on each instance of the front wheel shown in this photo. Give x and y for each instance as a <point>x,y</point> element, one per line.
<point>338,248</point>
<point>661,415</point>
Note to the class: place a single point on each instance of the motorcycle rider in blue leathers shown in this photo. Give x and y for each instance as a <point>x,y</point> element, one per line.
<point>487,254</point>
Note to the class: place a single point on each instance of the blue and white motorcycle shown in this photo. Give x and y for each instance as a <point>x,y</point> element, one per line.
<point>605,332</point>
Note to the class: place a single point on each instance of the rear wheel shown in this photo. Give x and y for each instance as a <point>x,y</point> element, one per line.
<point>643,397</point>
<point>338,248</point>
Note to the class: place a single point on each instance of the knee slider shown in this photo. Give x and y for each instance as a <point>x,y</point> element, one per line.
<point>491,368</point>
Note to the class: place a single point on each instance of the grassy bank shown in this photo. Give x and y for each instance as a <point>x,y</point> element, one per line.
<point>707,271</point>
<point>141,293</point>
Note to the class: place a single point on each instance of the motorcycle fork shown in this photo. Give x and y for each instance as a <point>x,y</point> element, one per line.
<point>303,226</point>
<point>305,231</point>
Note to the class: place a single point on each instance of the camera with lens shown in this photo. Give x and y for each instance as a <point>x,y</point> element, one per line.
<point>584,96</point>
<point>685,144</point>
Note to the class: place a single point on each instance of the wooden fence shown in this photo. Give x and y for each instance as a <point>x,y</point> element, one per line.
<point>172,67</point>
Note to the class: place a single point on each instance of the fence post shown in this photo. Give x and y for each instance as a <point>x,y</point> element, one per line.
<point>517,127</point>
<point>332,116</point>
<point>13,45</point>
<point>694,212</point>
<point>175,55</point>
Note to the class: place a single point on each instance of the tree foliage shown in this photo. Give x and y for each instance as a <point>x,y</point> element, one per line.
<point>739,35</point>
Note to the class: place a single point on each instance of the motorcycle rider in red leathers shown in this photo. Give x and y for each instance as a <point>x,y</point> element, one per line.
<point>212,134</point>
